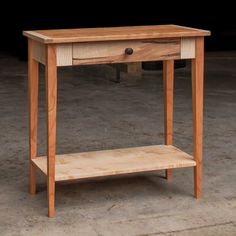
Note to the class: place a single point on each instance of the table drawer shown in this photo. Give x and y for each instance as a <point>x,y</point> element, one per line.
<point>125,51</point>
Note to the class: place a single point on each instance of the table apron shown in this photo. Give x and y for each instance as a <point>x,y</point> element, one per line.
<point>69,54</point>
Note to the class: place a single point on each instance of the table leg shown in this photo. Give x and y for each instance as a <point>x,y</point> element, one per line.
<point>51,98</point>
<point>33,114</point>
<point>197,94</point>
<point>168,85</point>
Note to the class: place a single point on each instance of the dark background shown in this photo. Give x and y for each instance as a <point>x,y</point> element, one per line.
<point>219,18</point>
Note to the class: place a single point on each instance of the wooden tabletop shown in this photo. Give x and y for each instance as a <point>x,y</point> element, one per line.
<point>113,33</point>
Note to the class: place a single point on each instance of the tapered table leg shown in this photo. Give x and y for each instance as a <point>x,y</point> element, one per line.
<point>51,98</point>
<point>33,114</point>
<point>197,94</point>
<point>168,84</point>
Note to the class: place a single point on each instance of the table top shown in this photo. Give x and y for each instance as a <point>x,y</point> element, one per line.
<point>113,33</point>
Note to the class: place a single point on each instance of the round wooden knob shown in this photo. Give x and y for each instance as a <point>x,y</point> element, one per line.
<point>129,51</point>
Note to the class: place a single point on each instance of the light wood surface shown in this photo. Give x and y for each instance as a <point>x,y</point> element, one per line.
<point>117,161</point>
<point>197,93</point>
<point>39,52</point>
<point>63,52</point>
<point>187,48</point>
<point>69,54</point>
<point>107,45</point>
<point>113,33</point>
<point>51,99</point>
<point>110,52</point>
<point>36,36</point>
<point>64,55</point>
<point>114,52</point>
<point>168,86</point>
<point>33,71</point>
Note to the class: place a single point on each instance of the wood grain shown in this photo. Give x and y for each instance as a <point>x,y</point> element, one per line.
<point>114,52</point>
<point>35,36</point>
<point>51,98</point>
<point>33,113</point>
<point>38,52</point>
<point>117,161</point>
<point>168,86</point>
<point>64,54</point>
<point>187,48</point>
<point>197,93</point>
<point>107,45</point>
<point>113,33</point>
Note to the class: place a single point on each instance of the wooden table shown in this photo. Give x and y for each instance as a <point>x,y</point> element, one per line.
<point>73,47</point>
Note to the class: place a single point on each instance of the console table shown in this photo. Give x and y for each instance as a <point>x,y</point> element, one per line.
<point>74,47</point>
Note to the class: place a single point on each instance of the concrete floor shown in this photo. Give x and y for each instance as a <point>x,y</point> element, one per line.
<point>93,114</point>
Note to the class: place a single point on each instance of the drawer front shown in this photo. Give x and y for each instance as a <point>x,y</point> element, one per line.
<point>125,51</point>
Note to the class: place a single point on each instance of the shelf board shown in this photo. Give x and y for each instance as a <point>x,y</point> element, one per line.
<point>116,162</point>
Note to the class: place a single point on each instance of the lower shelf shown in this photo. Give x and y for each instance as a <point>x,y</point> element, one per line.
<point>117,161</point>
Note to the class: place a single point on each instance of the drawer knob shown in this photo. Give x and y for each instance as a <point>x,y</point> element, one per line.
<point>129,51</point>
